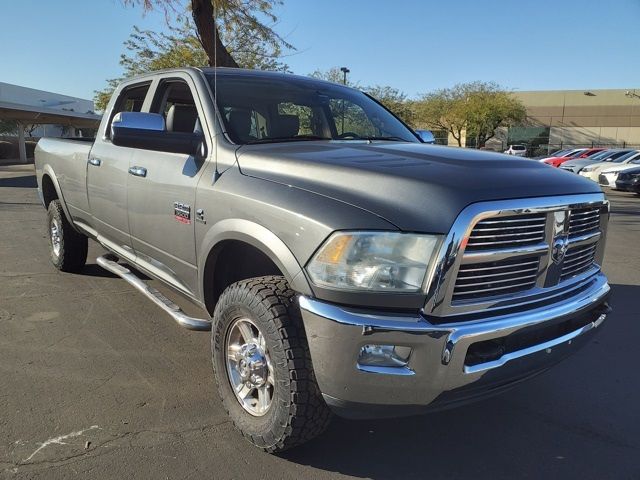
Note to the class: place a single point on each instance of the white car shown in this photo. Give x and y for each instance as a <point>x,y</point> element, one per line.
<point>608,177</point>
<point>517,150</point>
<point>592,172</point>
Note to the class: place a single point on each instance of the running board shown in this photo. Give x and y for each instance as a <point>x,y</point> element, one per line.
<point>109,263</point>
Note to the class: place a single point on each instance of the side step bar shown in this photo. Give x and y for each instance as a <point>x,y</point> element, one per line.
<point>109,263</point>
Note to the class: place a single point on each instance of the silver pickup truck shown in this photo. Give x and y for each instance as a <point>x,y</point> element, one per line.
<point>341,264</point>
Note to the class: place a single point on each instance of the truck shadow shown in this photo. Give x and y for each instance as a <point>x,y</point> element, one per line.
<point>549,424</point>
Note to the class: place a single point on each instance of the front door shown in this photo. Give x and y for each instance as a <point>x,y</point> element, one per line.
<point>162,194</point>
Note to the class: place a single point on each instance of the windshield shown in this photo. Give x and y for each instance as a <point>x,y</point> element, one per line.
<point>626,156</point>
<point>257,109</point>
<point>575,153</point>
<point>592,153</point>
<point>614,157</point>
<point>601,155</point>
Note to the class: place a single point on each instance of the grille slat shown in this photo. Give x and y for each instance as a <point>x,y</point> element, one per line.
<point>491,275</point>
<point>482,228</point>
<point>493,279</point>
<point>503,243</point>
<point>503,235</point>
<point>495,290</point>
<point>511,220</point>
<point>471,268</point>
<point>588,224</point>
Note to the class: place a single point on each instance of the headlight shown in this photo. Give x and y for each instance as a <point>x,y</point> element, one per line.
<point>587,169</point>
<point>373,261</point>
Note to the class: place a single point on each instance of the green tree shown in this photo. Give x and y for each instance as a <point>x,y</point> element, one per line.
<point>394,100</point>
<point>478,108</point>
<point>148,51</point>
<point>335,75</point>
<point>390,97</point>
<point>226,26</point>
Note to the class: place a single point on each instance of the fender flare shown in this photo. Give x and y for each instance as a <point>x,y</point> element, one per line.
<point>48,171</point>
<point>259,237</point>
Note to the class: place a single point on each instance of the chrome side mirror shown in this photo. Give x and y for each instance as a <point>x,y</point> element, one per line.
<point>138,121</point>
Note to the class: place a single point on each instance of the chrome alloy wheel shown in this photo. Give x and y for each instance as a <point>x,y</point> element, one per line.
<point>55,234</point>
<point>249,367</point>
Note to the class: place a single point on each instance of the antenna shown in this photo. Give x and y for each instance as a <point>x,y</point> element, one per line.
<point>215,83</point>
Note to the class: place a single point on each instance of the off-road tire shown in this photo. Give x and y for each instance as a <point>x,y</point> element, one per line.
<point>72,253</point>
<point>298,412</point>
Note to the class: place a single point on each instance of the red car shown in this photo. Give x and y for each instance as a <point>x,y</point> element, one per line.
<point>579,153</point>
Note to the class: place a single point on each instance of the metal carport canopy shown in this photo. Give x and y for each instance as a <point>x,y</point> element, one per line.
<point>43,115</point>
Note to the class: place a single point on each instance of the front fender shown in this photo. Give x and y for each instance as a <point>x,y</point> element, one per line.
<point>259,237</point>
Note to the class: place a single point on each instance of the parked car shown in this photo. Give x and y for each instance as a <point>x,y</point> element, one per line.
<point>339,267</point>
<point>575,165</point>
<point>560,154</point>
<point>629,180</point>
<point>609,176</point>
<point>517,150</point>
<point>580,153</point>
<point>592,172</point>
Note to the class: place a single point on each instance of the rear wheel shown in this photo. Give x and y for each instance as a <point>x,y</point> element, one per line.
<point>68,248</point>
<point>263,367</point>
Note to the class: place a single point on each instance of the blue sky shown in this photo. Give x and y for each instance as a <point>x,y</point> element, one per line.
<point>73,46</point>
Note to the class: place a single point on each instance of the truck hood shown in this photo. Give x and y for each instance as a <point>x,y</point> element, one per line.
<point>416,187</point>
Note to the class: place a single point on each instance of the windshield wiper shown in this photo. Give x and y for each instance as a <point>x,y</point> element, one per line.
<point>297,138</point>
<point>386,139</point>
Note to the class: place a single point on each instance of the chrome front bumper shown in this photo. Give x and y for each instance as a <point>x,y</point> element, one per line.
<point>439,371</point>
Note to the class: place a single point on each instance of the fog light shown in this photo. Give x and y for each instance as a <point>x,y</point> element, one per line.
<point>384,355</point>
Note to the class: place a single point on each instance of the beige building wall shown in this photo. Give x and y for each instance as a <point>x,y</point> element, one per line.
<point>586,116</point>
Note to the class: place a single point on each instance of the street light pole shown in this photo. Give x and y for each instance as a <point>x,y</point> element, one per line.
<point>344,71</point>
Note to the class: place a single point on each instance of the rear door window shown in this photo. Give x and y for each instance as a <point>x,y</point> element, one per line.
<point>131,99</point>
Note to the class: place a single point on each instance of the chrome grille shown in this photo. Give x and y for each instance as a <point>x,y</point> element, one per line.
<point>578,260</point>
<point>506,232</point>
<point>584,221</point>
<point>503,253</point>
<point>495,278</point>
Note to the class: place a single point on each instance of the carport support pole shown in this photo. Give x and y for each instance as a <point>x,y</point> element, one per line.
<point>22,148</point>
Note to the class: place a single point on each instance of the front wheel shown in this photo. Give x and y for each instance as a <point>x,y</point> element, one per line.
<point>263,367</point>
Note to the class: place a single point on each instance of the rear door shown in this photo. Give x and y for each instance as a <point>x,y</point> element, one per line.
<point>162,202</point>
<point>107,173</point>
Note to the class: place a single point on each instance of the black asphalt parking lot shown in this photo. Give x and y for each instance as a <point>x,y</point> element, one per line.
<point>97,382</point>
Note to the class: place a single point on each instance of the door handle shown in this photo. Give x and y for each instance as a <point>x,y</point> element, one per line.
<point>96,162</point>
<point>138,171</point>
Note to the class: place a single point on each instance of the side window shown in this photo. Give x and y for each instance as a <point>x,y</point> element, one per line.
<point>131,99</point>
<point>175,102</point>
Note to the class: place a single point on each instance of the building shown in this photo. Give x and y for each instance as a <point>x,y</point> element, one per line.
<point>576,117</point>
<point>54,114</point>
